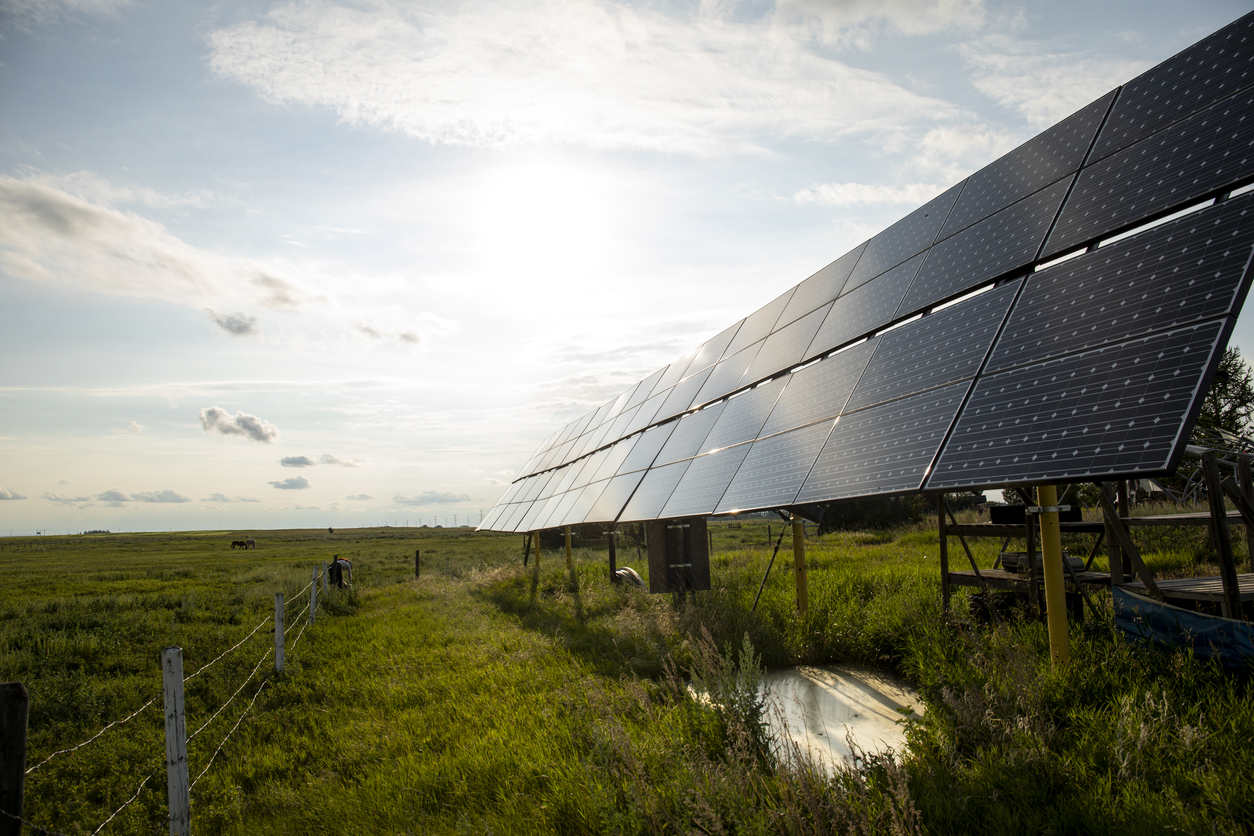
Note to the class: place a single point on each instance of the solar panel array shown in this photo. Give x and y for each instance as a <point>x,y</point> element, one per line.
<point>1054,317</point>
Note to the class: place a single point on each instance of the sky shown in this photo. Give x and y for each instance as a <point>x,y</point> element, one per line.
<point>333,264</point>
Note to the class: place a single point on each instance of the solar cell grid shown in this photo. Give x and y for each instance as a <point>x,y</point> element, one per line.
<point>909,236</point>
<point>556,517</point>
<point>675,371</point>
<point>614,496</point>
<point>1205,153</point>
<point>644,417</point>
<point>548,508</point>
<point>582,507</point>
<point>743,416</point>
<point>940,348</point>
<point>615,458</point>
<point>774,469</point>
<point>593,462</point>
<point>682,396</point>
<point>686,440</point>
<point>996,245</point>
<point>1210,70</point>
<point>1035,164</point>
<point>819,391</point>
<point>866,309</point>
<point>534,485</point>
<point>703,482</point>
<point>884,449</point>
<point>512,516</point>
<point>620,403</point>
<point>822,287</point>
<point>786,347</point>
<point>759,324</point>
<point>727,375</point>
<point>647,448</point>
<point>712,349</point>
<point>644,390</point>
<point>649,499</point>
<point>1114,410</point>
<point>1190,269</point>
<point>619,428</point>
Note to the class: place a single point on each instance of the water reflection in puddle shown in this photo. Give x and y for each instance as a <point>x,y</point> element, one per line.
<point>817,709</point>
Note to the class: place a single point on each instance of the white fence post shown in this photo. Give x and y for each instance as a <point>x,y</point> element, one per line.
<point>313,595</point>
<point>278,632</point>
<point>176,742</point>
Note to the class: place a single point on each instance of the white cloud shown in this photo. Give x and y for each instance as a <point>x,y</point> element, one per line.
<point>236,324</point>
<point>221,497</point>
<point>215,419</point>
<point>93,188</point>
<point>135,428</point>
<point>295,483</point>
<point>863,194</point>
<point>327,458</point>
<point>1045,82</point>
<point>431,498</point>
<point>297,461</point>
<point>360,497</point>
<point>5,493</point>
<point>855,22</point>
<point>596,74</point>
<point>161,496</point>
<point>41,12</point>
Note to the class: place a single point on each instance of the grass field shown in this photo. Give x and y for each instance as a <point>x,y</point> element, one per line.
<point>487,698</point>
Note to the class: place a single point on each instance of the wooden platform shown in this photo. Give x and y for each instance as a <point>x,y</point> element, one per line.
<point>1001,579</point>
<point>1196,589</point>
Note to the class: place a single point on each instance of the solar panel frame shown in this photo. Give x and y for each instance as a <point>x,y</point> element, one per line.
<point>650,444</point>
<point>820,288</point>
<point>650,497</point>
<point>727,375</point>
<point>743,416</point>
<point>787,347</point>
<point>614,497</point>
<point>683,396</point>
<point>711,351</point>
<point>759,324</point>
<point>908,237</point>
<point>703,483</point>
<point>867,309</point>
<point>582,507</point>
<point>685,442</point>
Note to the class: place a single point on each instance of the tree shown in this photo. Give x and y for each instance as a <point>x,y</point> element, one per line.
<point>1229,404</point>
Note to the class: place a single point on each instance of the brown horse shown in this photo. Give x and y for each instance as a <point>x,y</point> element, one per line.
<point>239,544</point>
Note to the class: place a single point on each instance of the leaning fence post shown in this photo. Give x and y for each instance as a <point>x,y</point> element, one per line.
<point>14,711</point>
<point>176,742</point>
<point>313,595</point>
<point>278,632</point>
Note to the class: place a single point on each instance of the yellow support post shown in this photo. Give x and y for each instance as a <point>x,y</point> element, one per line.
<point>1055,591</point>
<point>799,564</point>
<point>569,567</point>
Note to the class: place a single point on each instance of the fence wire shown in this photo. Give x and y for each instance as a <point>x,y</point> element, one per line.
<point>242,715</point>
<point>212,717</point>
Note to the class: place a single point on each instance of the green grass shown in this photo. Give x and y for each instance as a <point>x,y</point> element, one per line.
<point>489,698</point>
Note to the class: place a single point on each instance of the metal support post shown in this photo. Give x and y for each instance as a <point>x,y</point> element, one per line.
<point>176,742</point>
<point>278,632</point>
<point>941,511</point>
<point>1055,589</point>
<point>14,712</point>
<point>799,564</point>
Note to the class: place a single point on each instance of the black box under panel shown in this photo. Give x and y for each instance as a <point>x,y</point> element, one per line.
<point>679,555</point>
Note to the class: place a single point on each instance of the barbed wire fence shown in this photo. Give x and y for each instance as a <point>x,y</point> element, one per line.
<point>14,709</point>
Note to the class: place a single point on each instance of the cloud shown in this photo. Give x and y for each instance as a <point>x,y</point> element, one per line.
<point>220,497</point>
<point>297,461</point>
<point>29,13</point>
<point>295,483</point>
<point>135,428</point>
<point>161,496</point>
<point>113,498</point>
<point>217,420</point>
<point>360,497</point>
<point>431,498</point>
<point>5,493</point>
<point>95,189</point>
<point>863,194</point>
<point>65,481</point>
<point>327,458</point>
<point>609,74</point>
<point>80,501</point>
<point>236,324</point>
<point>1044,81</point>
<point>855,22</point>
<point>407,337</point>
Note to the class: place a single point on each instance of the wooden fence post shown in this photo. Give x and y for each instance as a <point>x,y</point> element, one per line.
<point>417,564</point>
<point>278,632</point>
<point>176,742</point>
<point>14,711</point>
<point>313,595</point>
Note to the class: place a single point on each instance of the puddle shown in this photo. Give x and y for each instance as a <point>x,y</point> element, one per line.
<point>816,709</point>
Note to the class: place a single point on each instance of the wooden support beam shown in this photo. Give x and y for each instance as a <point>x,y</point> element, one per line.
<point>1247,488</point>
<point>1114,554</point>
<point>1129,549</point>
<point>1231,601</point>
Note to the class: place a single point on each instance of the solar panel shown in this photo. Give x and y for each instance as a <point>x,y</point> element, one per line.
<point>682,396</point>
<point>548,508</point>
<point>1004,242</point>
<point>645,415</point>
<point>941,348</point>
<point>822,287</point>
<point>686,440</point>
<point>884,449</point>
<point>1210,70</point>
<point>487,523</point>
<point>1181,272</point>
<point>786,347</point>
<point>618,429</point>
<point>1033,165</point>
<point>513,515</point>
<point>819,391</point>
<point>727,375</point>
<point>1205,153</point>
<point>557,515</point>
<point>675,371</point>
<point>909,236</point>
<point>615,458</point>
<point>647,448</point>
<point>866,309</point>
<point>1120,409</point>
<point>743,416</point>
<point>589,472</point>
<point>614,496</point>
<point>703,482</point>
<point>759,324</point>
<point>582,507</point>
<point>712,349</point>
<point>774,469</point>
<point>645,389</point>
<point>528,521</point>
<point>658,485</point>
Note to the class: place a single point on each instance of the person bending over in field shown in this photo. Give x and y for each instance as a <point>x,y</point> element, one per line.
<point>337,569</point>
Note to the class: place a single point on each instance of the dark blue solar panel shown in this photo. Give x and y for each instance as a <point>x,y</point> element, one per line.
<point>786,347</point>
<point>1187,270</point>
<point>743,416</point>
<point>615,495</point>
<point>822,287</point>
<point>909,236</point>
<point>727,375</point>
<point>867,309</point>
<point>649,499</point>
<point>1201,75</point>
<point>704,482</point>
<point>688,436</point>
<point>647,448</point>
<point>1119,409</point>
<point>940,348</point>
<point>884,449</point>
<point>1203,154</point>
<point>819,391</point>
<point>1033,165</point>
<point>772,473</point>
<point>759,324</point>
<point>1007,241</point>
